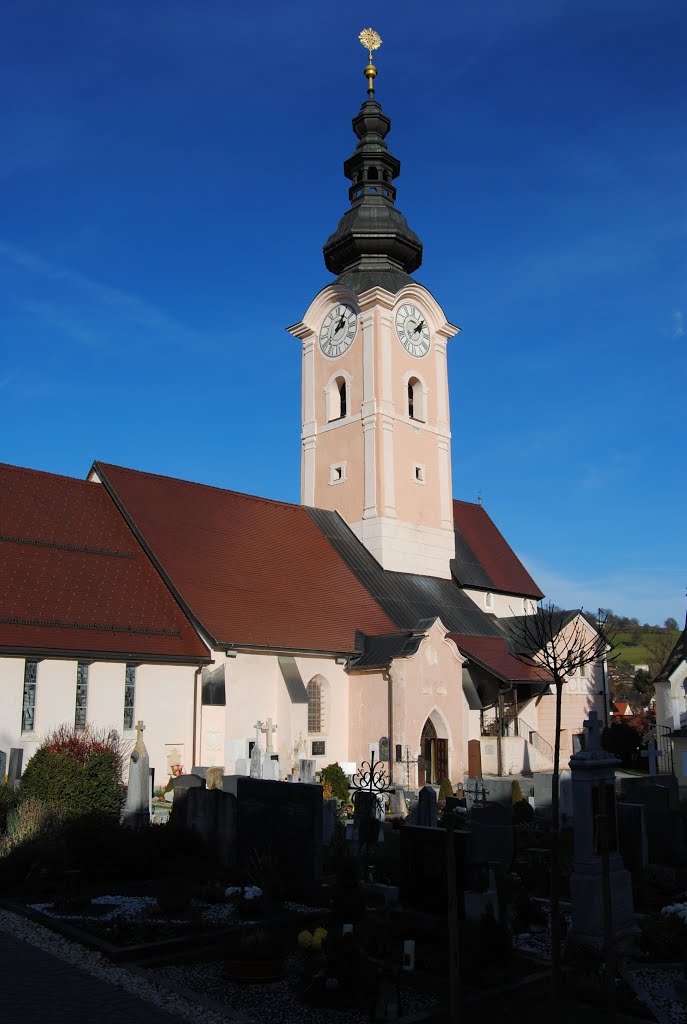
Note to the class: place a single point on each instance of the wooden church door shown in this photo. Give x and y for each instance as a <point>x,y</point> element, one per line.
<point>426,768</point>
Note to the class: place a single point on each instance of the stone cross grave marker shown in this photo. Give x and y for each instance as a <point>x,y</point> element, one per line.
<point>138,793</point>
<point>268,729</point>
<point>593,727</point>
<point>255,757</point>
<point>653,755</point>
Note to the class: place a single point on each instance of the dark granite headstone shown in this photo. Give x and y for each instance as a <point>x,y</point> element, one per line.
<point>632,839</point>
<point>279,819</point>
<point>3,766</point>
<point>328,821</point>
<point>493,836</point>
<point>365,816</point>
<point>659,797</point>
<point>423,868</point>
<point>426,811</point>
<point>181,784</point>
<point>14,770</point>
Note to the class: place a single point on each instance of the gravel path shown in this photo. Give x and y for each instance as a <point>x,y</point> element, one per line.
<point>48,980</point>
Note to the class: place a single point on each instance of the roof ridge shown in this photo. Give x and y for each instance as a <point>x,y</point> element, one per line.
<point>29,470</point>
<point>198,483</point>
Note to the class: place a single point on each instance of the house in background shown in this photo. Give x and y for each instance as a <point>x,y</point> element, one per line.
<point>373,620</point>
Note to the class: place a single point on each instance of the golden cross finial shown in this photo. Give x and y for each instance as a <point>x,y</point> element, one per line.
<point>371,40</point>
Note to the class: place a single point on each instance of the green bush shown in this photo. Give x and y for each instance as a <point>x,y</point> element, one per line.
<point>336,777</point>
<point>79,773</point>
<point>445,790</point>
<point>8,801</point>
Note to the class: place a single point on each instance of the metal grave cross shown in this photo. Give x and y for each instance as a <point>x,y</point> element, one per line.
<point>653,755</point>
<point>477,793</point>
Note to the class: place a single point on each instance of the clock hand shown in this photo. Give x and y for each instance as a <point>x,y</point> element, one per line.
<point>419,327</point>
<point>340,324</point>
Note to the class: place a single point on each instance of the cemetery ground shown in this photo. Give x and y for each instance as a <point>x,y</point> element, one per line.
<point>261,898</point>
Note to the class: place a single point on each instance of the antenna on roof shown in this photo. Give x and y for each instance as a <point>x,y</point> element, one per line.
<point>479,497</point>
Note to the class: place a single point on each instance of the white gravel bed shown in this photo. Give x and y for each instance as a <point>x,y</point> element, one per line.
<point>654,985</point>
<point>95,964</point>
<point>274,1000</point>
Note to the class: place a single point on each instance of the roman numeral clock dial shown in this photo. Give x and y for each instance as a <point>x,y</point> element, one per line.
<point>412,330</point>
<point>338,330</point>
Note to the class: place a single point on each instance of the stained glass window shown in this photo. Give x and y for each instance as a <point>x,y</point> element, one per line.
<point>129,696</point>
<point>81,695</point>
<point>28,711</point>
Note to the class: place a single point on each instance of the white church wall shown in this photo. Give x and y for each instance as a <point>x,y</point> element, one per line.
<point>164,703</point>
<point>251,684</point>
<point>335,709</point>
<point>11,688</point>
<point>501,605</point>
<point>163,700</point>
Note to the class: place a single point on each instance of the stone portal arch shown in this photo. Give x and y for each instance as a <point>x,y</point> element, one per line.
<point>433,763</point>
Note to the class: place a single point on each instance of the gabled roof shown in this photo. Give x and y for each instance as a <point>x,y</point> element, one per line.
<point>74,580</point>
<point>252,572</point>
<point>493,654</point>
<point>483,557</point>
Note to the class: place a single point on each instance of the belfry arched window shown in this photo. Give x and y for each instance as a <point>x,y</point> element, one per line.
<point>372,174</point>
<point>416,399</point>
<point>337,398</point>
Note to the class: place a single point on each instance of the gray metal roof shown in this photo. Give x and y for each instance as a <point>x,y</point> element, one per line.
<point>466,567</point>
<point>406,598</point>
<point>379,651</point>
<point>677,656</point>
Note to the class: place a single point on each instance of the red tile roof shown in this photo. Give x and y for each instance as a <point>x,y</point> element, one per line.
<point>74,580</point>
<point>493,654</point>
<point>253,572</point>
<point>497,558</point>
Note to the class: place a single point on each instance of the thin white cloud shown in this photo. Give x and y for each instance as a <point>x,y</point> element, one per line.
<point>106,301</point>
<point>649,593</point>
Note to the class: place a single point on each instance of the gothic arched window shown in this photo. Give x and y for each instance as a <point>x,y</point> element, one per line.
<point>314,690</point>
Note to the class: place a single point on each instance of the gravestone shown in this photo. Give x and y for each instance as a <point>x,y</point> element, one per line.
<point>423,877</point>
<point>256,754</point>
<point>211,815</point>
<point>14,770</point>
<point>181,785</point>
<point>137,809</point>
<point>271,768</point>
<point>3,766</point>
<point>493,835</point>
<point>660,799</point>
<point>632,840</point>
<point>328,821</point>
<point>306,770</point>
<point>366,816</point>
<point>593,785</point>
<point>279,820</point>
<point>398,804</point>
<point>426,810</point>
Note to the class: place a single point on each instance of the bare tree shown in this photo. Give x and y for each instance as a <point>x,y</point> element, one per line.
<point>563,643</point>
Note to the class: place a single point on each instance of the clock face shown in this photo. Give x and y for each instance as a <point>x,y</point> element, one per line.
<point>338,329</point>
<point>412,330</point>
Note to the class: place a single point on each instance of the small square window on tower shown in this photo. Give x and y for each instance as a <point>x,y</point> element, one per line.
<point>337,473</point>
<point>418,473</point>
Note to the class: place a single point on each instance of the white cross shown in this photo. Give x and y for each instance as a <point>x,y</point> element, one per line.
<point>593,727</point>
<point>653,756</point>
<point>269,729</point>
<point>139,731</point>
<point>258,730</point>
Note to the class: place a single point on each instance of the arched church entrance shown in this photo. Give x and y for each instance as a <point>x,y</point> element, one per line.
<point>433,763</point>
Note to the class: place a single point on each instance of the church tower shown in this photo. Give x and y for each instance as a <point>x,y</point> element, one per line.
<point>376,440</point>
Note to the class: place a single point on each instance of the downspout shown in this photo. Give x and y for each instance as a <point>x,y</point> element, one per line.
<point>390,698</point>
<point>195,713</point>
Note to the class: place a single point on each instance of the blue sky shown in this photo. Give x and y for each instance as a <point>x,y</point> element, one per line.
<point>168,168</point>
